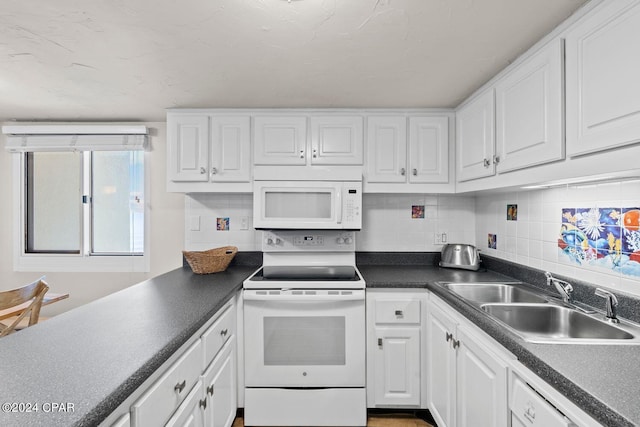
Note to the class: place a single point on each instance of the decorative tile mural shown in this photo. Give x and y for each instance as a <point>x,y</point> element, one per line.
<point>604,237</point>
<point>512,212</point>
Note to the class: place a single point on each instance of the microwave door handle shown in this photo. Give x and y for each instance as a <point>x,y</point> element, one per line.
<point>339,205</point>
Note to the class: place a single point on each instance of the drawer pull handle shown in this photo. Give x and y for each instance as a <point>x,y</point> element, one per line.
<point>398,312</point>
<point>180,386</point>
<point>448,336</point>
<point>210,390</point>
<point>224,332</point>
<point>203,403</point>
<point>380,342</point>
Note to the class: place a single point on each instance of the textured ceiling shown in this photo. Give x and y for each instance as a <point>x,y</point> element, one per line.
<point>131,59</point>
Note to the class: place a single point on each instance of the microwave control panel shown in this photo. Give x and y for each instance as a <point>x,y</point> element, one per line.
<point>352,205</point>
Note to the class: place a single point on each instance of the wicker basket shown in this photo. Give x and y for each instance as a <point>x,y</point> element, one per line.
<point>211,261</point>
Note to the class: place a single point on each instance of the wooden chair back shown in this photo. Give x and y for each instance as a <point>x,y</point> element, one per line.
<point>33,293</point>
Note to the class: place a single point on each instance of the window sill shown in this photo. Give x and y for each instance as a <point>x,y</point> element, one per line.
<point>79,263</point>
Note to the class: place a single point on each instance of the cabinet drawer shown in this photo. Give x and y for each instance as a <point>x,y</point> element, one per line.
<point>161,399</point>
<point>217,334</point>
<point>399,310</point>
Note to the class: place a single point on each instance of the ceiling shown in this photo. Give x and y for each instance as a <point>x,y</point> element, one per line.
<point>130,59</point>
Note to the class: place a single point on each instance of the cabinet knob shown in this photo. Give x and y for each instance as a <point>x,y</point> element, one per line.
<point>203,403</point>
<point>203,170</point>
<point>214,171</point>
<point>210,390</point>
<point>315,153</point>
<point>414,172</point>
<point>496,159</point>
<point>180,386</point>
<point>456,343</point>
<point>486,163</point>
<point>403,172</point>
<point>302,154</point>
<point>448,336</point>
<point>224,332</point>
<point>380,342</point>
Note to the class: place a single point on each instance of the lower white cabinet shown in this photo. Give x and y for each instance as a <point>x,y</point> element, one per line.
<point>467,372</point>
<point>200,387</point>
<point>395,377</point>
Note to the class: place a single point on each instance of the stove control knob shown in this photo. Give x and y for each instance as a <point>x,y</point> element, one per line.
<point>339,240</point>
<point>278,241</point>
<point>348,240</point>
<point>268,241</point>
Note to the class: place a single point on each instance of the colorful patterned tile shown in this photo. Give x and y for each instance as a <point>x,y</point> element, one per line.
<point>568,215</point>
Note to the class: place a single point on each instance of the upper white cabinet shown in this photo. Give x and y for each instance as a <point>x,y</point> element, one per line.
<point>336,140</point>
<point>188,148</point>
<point>205,150</point>
<point>516,123</point>
<point>280,140</point>
<point>407,150</point>
<point>386,149</point>
<point>603,83</point>
<point>529,125</point>
<point>475,137</point>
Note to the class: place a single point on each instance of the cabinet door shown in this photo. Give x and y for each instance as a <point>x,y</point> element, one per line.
<point>397,366</point>
<point>220,388</point>
<point>475,138</point>
<point>529,114</point>
<point>481,385</point>
<point>191,412</point>
<point>188,143</point>
<point>386,149</point>
<point>428,149</point>
<point>441,366</point>
<point>336,140</point>
<point>230,149</point>
<point>280,140</point>
<point>603,88</point>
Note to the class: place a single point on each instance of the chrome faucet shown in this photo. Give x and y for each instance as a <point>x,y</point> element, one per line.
<point>564,288</point>
<point>612,303</point>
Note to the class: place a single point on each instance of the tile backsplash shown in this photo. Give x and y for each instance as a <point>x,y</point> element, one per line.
<point>541,237</point>
<point>408,222</point>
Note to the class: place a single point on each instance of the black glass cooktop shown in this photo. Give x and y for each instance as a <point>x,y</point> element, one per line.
<point>307,273</point>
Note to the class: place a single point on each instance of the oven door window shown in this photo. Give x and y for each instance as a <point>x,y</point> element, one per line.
<point>296,341</point>
<point>304,205</point>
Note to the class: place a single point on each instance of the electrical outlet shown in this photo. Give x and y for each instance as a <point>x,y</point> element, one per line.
<point>244,223</point>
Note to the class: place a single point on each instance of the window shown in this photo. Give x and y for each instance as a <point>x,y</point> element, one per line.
<point>81,209</point>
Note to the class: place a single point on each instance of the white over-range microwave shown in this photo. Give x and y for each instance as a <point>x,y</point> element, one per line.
<point>307,204</point>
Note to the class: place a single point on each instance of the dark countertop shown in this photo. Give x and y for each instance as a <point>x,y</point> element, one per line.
<point>602,380</point>
<point>109,347</point>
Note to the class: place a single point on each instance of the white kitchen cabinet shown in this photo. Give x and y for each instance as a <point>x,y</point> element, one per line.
<point>199,387</point>
<point>395,330</point>
<point>188,148</point>
<point>191,412</point>
<point>161,399</point>
<point>386,149</point>
<point>467,375</point>
<point>280,140</point>
<point>475,137</point>
<point>407,151</point>
<point>220,388</point>
<point>336,140</point>
<point>603,88</point>
<point>205,151</point>
<point>529,111</point>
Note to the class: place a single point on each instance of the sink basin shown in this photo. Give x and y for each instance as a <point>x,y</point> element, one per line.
<point>554,323</point>
<point>482,293</point>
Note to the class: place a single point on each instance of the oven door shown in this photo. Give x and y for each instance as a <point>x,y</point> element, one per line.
<point>304,338</point>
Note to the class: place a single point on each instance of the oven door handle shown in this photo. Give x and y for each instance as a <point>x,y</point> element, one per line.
<point>302,298</point>
<point>339,205</point>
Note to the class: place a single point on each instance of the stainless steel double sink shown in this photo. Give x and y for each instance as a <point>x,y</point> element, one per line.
<point>540,318</point>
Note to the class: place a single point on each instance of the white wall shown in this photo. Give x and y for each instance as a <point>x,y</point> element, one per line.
<point>387,223</point>
<point>532,240</point>
<point>167,237</point>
